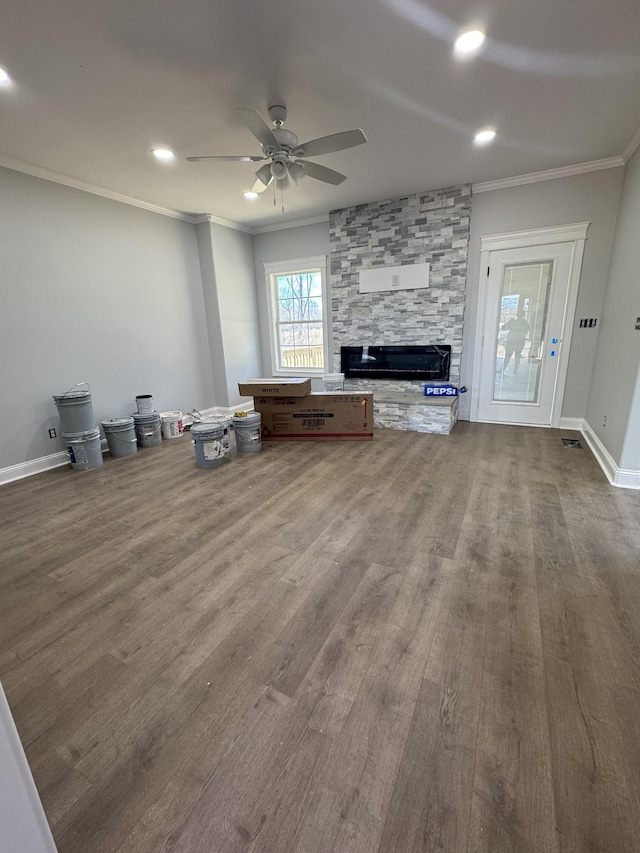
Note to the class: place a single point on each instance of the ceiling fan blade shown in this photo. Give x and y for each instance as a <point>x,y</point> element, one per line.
<point>334,142</point>
<point>321,173</point>
<point>260,129</point>
<point>259,187</point>
<point>246,158</point>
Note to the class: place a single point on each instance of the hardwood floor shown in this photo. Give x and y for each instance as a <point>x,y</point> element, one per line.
<point>420,643</point>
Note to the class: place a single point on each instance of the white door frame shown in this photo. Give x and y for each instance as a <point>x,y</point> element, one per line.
<point>575,233</point>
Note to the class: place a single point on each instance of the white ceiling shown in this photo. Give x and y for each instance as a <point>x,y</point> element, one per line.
<point>98,83</point>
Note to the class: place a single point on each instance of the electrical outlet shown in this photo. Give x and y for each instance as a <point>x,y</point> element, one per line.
<point>53,433</point>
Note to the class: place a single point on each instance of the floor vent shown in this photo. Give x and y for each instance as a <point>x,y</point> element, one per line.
<point>571,442</point>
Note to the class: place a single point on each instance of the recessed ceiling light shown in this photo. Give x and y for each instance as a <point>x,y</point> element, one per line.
<point>484,137</point>
<point>163,154</point>
<point>5,80</point>
<point>468,42</point>
<point>250,195</point>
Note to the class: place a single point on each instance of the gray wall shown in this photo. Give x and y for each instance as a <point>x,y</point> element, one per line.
<point>23,824</point>
<point>238,309</point>
<point>97,290</point>
<point>305,241</point>
<point>615,388</point>
<point>592,197</point>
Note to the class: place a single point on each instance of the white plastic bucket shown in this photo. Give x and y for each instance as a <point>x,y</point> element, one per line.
<point>208,441</point>
<point>333,382</point>
<point>171,424</point>
<point>248,432</point>
<point>148,429</point>
<point>83,448</point>
<point>144,403</point>
<point>121,436</point>
<point>75,410</point>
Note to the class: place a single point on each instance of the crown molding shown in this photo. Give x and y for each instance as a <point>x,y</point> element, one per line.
<point>549,174</point>
<point>84,186</point>
<point>630,150</point>
<point>295,223</point>
<point>218,220</point>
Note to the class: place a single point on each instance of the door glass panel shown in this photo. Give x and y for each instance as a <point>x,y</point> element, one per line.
<point>519,344</point>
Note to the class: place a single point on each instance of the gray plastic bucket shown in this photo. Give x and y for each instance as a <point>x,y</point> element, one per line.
<point>144,403</point>
<point>121,436</point>
<point>83,448</point>
<point>148,429</point>
<point>213,421</point>
<point>75,410</point>
<point>208,440</point>
<point>248,432</point>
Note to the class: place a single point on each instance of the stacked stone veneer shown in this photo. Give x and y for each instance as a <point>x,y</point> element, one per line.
<point>429,227</point>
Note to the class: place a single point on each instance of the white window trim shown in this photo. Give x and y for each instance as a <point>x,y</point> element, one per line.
<point>294,265</point>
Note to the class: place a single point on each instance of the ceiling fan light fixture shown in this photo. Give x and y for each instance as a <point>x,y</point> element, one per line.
<point>468,43</point>
<point>163,154</point>
<point>296,172</point>
<point>283,183</point>
<point>5,79</point>
<point>278,168</point>
<point>264,174</point>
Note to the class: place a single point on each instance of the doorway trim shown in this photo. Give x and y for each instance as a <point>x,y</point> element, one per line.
<point>575,233</point>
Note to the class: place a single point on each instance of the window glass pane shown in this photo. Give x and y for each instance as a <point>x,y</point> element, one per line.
<point>520,335</point>
<point>315,284</point>
<point>298,319</point>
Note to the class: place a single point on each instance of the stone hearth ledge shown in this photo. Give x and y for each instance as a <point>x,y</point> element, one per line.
<point>414,412</point>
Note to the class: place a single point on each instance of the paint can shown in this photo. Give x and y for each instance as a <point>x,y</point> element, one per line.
<point>121,436</point>
<point>224,424</point>
<point>171,424</point>
<point>248,432</point>
<point>83,448</point>
<point>148,429</point>
<point>208,441</point>
<point>144,403</point>
<point>75,410</point>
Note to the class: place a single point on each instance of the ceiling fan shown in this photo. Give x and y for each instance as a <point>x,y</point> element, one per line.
<point>280,146</point>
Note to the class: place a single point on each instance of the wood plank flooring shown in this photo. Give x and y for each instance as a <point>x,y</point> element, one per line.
<point>420,643</point>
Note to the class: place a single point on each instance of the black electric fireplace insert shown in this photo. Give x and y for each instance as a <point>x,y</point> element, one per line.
<point>431,362</point>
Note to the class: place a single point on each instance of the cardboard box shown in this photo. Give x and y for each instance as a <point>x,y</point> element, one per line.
<point>319,415</point>
<point>274,387</point>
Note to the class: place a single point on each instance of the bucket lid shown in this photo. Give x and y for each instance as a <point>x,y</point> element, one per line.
<point>149,416</point>
<point>115,423</point>
<point>82,436</point>
<point>249,418</point>
<point>75,396</point>
<point>207,431</point>
<point>170,415</point>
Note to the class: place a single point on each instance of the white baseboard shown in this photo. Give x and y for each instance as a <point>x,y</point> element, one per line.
<point>625,478</point>
<point>37,466</point>
<point>572,423</point>
<point>33,466</point>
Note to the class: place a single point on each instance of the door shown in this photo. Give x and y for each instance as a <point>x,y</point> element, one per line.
<point>525,317</point>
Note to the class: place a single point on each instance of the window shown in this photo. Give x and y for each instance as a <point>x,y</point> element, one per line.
<point>297,301</point>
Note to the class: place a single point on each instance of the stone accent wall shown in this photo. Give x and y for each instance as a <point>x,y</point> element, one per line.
<point>429,227</point>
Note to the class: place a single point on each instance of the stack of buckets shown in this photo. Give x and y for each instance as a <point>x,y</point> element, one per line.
<point>211,438</point>
<point>148,424</point>
<point>79,431</point>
